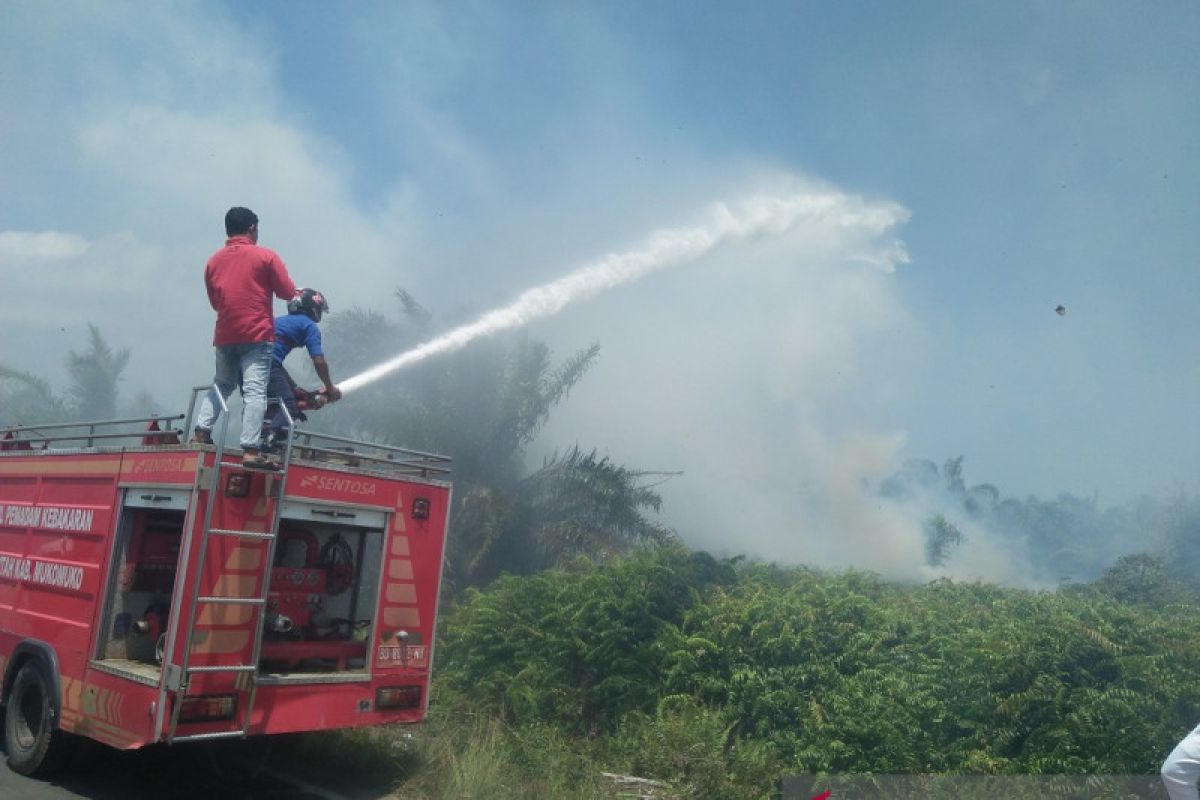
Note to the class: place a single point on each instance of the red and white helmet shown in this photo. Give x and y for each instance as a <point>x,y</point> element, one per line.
<point>310,303</point>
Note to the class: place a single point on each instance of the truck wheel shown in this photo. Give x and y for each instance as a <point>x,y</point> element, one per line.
<point>34,745</point>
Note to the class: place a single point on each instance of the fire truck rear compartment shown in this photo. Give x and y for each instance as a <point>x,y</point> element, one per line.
<point>318,616</point>
<point>141,587</point>
<point>319,609</point>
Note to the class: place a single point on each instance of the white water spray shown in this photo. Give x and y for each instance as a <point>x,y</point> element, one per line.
<point>755,216</point>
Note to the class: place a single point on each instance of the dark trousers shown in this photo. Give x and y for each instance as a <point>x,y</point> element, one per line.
<point>279,388</point>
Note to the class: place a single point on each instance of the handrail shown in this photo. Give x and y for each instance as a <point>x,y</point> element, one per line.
<point>439,465</point>
<point>130,435</point>
<point>329,437</point>
<point>311,445</point>
<point>55,425</point>
<point>37,434</point>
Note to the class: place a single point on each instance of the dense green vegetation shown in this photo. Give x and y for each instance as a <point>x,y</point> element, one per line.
<point>721,677</point>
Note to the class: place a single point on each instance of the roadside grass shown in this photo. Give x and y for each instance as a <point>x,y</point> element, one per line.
<point>683,751</point>
<point>365,758</point>
<point>463,755</point>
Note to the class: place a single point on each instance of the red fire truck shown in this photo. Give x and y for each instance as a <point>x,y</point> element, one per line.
<point>157,591</point>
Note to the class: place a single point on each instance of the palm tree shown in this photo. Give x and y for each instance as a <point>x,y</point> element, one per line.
<point>95,374</point>
<point>483,405</point>
<point>576,505</point>
<point>26,399</point>
<point>583,504</point>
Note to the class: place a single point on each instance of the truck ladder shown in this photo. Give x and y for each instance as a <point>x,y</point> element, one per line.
<point>178,678</point>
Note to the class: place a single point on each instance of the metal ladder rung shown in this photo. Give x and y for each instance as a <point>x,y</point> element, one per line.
<point>235,464</point>
<point>242,534</point>
<point>236,601</point>
<point>224,668</point>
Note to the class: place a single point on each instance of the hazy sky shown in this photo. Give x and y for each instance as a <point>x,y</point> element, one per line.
<point>1026,155</point>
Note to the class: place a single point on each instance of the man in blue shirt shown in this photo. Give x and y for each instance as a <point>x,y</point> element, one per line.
<point>298,328</point>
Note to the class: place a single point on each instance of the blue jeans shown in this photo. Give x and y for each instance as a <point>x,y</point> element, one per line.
<point>249,365</point>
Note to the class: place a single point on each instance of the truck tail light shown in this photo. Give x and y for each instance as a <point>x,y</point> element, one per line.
<point>207,708</point>
<point>387,697</point>
<point>420,509</point>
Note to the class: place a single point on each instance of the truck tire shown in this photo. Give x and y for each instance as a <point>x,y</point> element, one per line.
<point>34,745</point>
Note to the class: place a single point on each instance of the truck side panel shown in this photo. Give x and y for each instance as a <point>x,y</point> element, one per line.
<point>107,708</point>
<point>412,572</point>
<point>56,524</point>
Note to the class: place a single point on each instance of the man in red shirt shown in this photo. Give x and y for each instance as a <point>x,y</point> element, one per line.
<point>241,278</point>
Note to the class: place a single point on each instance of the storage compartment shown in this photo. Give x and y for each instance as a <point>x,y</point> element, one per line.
<point>322,586</point>
<point>320,607</point>
<point>146,563</point>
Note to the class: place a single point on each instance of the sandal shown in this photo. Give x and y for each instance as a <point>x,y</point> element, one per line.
<point>259,462</point>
